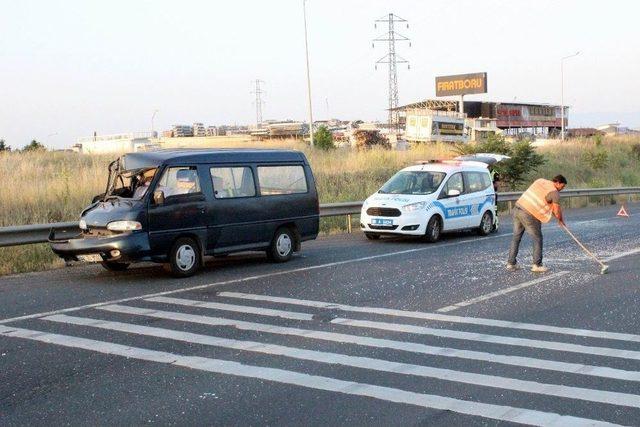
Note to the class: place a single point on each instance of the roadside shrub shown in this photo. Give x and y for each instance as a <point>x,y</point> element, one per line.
<point>596,159</point>
<point>635,151</point>
<point>512,172</point>
<point>323,139</point>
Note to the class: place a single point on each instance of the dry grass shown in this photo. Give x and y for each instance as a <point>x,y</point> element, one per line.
<point>52,187</point>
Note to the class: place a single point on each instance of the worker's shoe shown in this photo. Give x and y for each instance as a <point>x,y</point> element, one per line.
<point>539,269</point>
<point>512,267</point>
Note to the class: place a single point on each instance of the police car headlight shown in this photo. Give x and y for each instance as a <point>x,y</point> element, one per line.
<point>124,226</point>
<point>414,207</point>
<point>82,224</point>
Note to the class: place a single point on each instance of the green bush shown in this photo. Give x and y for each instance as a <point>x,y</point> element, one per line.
<point>596,159</point>
<point>34,146</point>
<point>635,151</point>
<point>323,139</point>
<point>512,172</point>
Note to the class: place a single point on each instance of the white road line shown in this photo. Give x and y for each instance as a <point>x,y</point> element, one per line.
<point>622,255</point>
<point>492,339</point>
<point>411,347</point>
<point>250,278</point>
<point>380,365</point>
<point>438,317</point>
<point>501,292</point>
<point>233,308</point>
<point>429,401</point>
<point>263,276</point>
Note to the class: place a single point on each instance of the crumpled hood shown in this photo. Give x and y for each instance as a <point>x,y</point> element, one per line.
<point>397,200</point>
<point>101,213</point>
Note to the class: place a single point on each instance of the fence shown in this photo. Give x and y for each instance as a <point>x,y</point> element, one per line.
<point>39,233</point>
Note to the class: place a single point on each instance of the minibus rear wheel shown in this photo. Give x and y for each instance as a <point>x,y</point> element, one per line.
<point>282,245</point>
<point>114,265</point>
<point>184,257</point>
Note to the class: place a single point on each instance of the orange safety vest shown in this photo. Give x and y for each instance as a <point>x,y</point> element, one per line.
<point>534,200</point>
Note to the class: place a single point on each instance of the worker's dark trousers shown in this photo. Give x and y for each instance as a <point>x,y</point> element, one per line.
<point>524,221</point>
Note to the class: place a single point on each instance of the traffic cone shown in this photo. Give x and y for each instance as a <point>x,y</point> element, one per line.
<point>623,212</point>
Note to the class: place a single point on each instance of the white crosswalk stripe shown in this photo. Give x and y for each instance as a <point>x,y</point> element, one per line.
<point>497,412</point>
<point>437,317</point>
<point>601,396</point>
<point>315,324</point>
<point>381,343</point>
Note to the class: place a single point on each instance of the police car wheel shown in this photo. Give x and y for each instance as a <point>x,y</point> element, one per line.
<point>434,229</point>
<point>486,224</point>
<point>372,236</point>
<point>184,257</point>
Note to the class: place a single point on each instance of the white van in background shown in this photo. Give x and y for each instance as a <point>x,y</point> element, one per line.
<point>432,197</point>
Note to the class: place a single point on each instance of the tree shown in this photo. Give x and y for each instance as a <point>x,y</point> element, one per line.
<point>524,159</point>
<point>34,146</point>
<point>323,139</point>
<point>4,146</point>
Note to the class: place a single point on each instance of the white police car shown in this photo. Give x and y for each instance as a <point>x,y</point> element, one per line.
<point>432,197</point>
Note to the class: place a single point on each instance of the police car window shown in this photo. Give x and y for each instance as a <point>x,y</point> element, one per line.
<point>413,182</point>
<point>476,181</point>
<point>455,183</point>
<point>233,182</point>
<point>179,180</point>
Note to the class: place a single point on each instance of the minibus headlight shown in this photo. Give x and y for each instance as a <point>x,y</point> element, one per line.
<point>82,224</point>
<point>414,207</point>
<point>124,226</point>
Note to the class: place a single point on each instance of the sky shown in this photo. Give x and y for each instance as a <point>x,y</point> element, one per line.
<point>69,68</point>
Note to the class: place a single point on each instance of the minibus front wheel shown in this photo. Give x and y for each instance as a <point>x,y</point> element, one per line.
<point>184,257</point>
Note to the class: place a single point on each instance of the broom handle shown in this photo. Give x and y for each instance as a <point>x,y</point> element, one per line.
<point>581,245</point>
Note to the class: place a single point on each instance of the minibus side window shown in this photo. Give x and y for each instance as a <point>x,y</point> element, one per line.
<point>180,180</point>
<point>275,180</point>
<point>232,182</point>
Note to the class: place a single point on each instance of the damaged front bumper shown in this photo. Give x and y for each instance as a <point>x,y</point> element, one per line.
<point>123,247</point>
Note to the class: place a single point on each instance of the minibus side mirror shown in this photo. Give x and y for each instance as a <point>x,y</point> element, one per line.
<point>158,197</point>
<point>453,193</point>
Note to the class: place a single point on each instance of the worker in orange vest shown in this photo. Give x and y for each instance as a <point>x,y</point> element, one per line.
<point>535,206</point>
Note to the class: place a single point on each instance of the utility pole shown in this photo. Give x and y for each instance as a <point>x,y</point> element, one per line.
<point>564,58</point>
<point>153,128</point>
<point>258,93</point>
<point>392,59</point>
<point>306,50</point>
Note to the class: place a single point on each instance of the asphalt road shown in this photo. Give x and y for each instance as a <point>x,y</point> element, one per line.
<point>392,332</point>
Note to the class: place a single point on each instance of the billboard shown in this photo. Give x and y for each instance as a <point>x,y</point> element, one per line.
<point>519,115</point>
<point>461,84</point>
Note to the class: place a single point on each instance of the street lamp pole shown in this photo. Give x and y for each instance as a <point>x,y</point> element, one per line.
<point>306,48</point>
<point>153,116</point>
<point>562,91</point>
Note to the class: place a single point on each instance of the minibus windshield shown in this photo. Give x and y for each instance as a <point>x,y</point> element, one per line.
<point>413,182</point>
<point>129,184</point>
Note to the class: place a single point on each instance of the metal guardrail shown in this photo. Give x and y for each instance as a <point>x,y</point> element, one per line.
<point>39,233</point>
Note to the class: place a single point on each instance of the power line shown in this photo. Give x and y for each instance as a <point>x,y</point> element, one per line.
<point>392,59</point>
<point>259,102</point>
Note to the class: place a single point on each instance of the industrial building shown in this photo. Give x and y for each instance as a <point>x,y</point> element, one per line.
<point>442,120</point>
<point>117,143</point>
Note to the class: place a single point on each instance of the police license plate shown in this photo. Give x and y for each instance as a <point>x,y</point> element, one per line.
<point>381,221</point>
<point>90,258</point>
